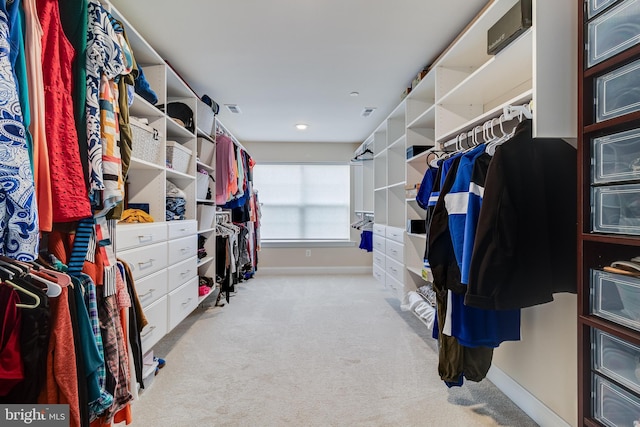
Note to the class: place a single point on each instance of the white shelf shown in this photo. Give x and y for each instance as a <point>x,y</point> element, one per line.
<point>143,108</point>
<point>179,175</point>
<point>417,236</point>
<point>205,261</point>
<point>206,230</point>
<point>174,130</point>
<point>425,120</point>
<point>204,297</point>
<point>208,201</point>
<point>205,166</point>
<point>137,163</point>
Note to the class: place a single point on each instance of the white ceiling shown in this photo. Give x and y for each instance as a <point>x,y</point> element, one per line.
<point>290,61</point>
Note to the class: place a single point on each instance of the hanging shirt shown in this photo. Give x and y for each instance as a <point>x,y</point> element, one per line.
<point>471,326</point>
<point>525,242</point>
<point>225,174</point>
<point>18,211</point>
<point>37,128</point>
<point>104,58</point>
<point>11,367</point>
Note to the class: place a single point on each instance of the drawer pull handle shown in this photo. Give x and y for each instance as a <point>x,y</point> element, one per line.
<point>147,293</point>
<point>394,251</point>
<point>151,328</point>
<point>184,273</point>
<point>145,238</point>
<point>183,229</point>
<point>183,250</point>
<point>146,262</point>
<point>187,301</point>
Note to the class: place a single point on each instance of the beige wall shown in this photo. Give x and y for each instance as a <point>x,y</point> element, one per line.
<point>545,361</point>
<point>282,258</point>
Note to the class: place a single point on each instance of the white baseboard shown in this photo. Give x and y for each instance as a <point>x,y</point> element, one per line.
<point>289,271</point>
<point>538,411</point>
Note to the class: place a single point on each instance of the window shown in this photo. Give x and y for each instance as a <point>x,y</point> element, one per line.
<point>303,201</point>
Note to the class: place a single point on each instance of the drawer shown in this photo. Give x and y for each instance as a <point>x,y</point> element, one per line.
<point>379,274</point>
<point>612,405</point>
<point>395,233</point>
<point>134,235</point>
<point>379,259</point>
<point>616,359</point>
<point>182,301</point>
<point>616,157</point>
<point>616,297</point>
<point>616,209</point>
<point>181,249</point>
<point>177,229</point>
<point>396,287</point>
<point>395,250</point>
<point>395,270</point>
<point>379,229</point>
<point>618,92</point>
<point>146,259</point>
<point>379,243</point>
<point>614,31</point>
<point>150,288</point>
<point>156,315</point>
<point>597,6</point>
<point>183,271</point>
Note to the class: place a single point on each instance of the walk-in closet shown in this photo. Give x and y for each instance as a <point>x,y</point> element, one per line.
<point>299,213</point>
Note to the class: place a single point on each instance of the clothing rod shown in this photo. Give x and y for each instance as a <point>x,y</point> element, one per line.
<point>509,112</point>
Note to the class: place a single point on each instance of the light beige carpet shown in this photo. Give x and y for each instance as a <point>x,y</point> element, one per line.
<point>311,351</point>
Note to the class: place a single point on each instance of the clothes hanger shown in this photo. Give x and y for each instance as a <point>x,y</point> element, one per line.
<point>35,297</point>
<point>53,289</point>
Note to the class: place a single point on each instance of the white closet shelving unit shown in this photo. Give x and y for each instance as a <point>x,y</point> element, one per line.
<point>463,88</point>
<point>163,254</point>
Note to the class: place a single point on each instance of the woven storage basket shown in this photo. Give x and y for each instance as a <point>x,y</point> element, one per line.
<point>146,142</point>
<point>178,157</point>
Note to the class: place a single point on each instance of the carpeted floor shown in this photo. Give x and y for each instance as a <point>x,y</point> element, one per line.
<point>311,351</point>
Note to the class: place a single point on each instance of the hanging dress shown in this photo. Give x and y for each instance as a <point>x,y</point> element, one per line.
<point>69,194</point>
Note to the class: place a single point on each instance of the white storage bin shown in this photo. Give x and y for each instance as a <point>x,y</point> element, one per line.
<point>616,297</point>
<point>202,184</point>
<point>614,31</point>
<point>206,150</point>
<point>616,158</point>
<point>618,92</point>
<point>616,209</point>
<point>612,405</point>
<point>146,142</point>
<point>206,216</point>
<point>178,157</point>
<point>597,6</point>
<point>616,359</point>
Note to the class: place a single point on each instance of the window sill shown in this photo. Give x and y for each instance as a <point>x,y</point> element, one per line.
<point>306,243</point>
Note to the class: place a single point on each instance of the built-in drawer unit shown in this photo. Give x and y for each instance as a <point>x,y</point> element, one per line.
<point>395,233</point>
<point>395,270</point>
<point>182,272</point>
<point>395,251</point>
<point>152,287</point>
<point>145,260</point>
<point>395,286</point>
<point>616,297</point>
<point>134,235</point>
<point>379,273</point>
<point>156,315</point>
<point>616,209</point>
<point>618,92</point>
<point>617,359</point>
<point>616,157</point>
<point>182,301</point>
<point>614,31</point>
<point>379,229</point>
<point>379,243</point>
<point>379,259</point>
<point>612,405</point>
<point>184,228</point>
<point>181,249</point>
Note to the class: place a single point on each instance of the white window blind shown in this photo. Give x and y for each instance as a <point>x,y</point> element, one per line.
<point>303,201</point>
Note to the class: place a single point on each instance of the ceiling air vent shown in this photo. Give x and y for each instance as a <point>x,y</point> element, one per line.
<point>233,108</point>
<point>367,111</point>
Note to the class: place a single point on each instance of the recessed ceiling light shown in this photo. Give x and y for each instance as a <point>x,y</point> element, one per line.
<point>301,126</point>
<point>354,94</point>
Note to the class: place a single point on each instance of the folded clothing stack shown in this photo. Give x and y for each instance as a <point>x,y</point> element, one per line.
<point>175,203</point>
